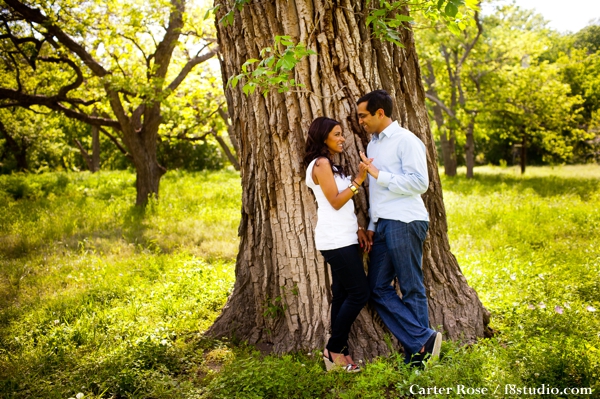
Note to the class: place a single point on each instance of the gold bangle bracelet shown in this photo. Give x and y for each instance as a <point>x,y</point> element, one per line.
<point>352,188</point>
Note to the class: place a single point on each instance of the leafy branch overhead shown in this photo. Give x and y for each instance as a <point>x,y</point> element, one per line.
<point>274,70</point>
<point>386,17</point>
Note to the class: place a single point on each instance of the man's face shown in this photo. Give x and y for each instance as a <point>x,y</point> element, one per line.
<point>371,123</point>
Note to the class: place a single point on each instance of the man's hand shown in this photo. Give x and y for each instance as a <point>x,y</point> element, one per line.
<point>370,234</point>
<point>367,162</point>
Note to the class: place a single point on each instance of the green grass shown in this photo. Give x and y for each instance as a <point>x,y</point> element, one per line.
<point>99,298</point>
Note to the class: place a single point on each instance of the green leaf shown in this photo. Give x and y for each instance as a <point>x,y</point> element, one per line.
<point>211,10</point>
<point>472,4</point>
<point>269,61</point>
<point>251,61</point>
<point>288,62</point>
<point>451,9</point>
<point>440,4</point>
<point>403,18</point>
<point>285,40</point>
<point>453,27</point>
<point>259,71</point>
<point>234,80</point>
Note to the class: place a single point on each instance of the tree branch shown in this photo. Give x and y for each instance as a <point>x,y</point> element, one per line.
<point>85,154</point>
<point>189,66</point>
<point>62,93</point>
<point>164,51</point>
<point>441,105</point>
<point>55,103</point>
<point>35,15</point>
<point>116,142</point>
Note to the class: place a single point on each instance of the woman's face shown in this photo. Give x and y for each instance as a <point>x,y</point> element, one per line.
<point>335,140</point>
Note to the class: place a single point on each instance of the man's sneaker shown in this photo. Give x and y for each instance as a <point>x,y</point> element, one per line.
<point>435,345</point>
<point>432,350</point>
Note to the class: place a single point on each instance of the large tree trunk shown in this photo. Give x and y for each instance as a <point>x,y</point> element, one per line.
<point>281,294</point>
<point>148,170</point>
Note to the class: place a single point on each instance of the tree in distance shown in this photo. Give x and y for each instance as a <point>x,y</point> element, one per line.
<point>122,59</point>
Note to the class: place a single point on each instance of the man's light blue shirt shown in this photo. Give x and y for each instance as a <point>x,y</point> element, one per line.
<point>402,162</point>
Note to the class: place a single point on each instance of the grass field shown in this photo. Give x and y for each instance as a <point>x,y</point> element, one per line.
<point>102,300</point>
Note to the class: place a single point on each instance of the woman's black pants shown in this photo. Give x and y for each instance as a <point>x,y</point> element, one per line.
<point>350,291</point>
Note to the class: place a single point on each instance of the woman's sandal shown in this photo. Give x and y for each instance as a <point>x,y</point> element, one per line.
<point>331,365</point>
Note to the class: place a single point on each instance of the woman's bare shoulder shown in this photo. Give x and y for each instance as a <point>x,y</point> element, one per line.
<point>322,161</point>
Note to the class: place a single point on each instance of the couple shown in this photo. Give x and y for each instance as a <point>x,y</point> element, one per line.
<point>397,170</point>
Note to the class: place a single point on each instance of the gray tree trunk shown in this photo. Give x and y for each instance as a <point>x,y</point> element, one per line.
<point>281,294</point>
<point>19,151</point>
<point>470,148</point>
<point>448,152</point>
<point>95,149</point>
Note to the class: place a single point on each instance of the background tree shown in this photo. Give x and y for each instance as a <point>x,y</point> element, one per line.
<point>280,296</point>
<point>117,57</point>
<point>195,116</point>
<point>529,112</point>
<point>535,113</point>
<point>444,53</point>
<point>40,141</point>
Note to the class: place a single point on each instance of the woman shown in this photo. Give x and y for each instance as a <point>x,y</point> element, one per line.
<point>337,235</point>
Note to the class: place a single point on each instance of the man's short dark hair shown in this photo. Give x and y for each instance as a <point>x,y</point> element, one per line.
<point>378,99</point>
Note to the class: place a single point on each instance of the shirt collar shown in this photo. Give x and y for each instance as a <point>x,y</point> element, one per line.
<point>388,131</point>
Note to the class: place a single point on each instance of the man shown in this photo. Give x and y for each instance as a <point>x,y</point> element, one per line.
<point>397,167</point>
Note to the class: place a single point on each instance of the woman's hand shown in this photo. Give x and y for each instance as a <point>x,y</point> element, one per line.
<point>367,162</point>
<point>362,173</point>
<point>364,241</point>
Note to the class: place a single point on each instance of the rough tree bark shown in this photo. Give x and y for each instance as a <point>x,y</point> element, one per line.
<point>281,294</point>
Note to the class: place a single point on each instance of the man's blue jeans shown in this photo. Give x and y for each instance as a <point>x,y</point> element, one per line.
<point>397,251</point>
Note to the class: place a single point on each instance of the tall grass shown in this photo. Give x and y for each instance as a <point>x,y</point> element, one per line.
<point>99,298</point>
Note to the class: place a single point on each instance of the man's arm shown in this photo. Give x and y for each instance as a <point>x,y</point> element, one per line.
<point>413,179</point>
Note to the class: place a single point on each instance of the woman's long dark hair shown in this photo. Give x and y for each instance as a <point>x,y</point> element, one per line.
<point>315,143</point>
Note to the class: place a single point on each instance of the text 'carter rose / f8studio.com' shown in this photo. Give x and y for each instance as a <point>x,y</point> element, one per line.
<point>506,389</point>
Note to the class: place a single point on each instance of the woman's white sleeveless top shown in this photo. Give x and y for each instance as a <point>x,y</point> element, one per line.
<point>335,229</point>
